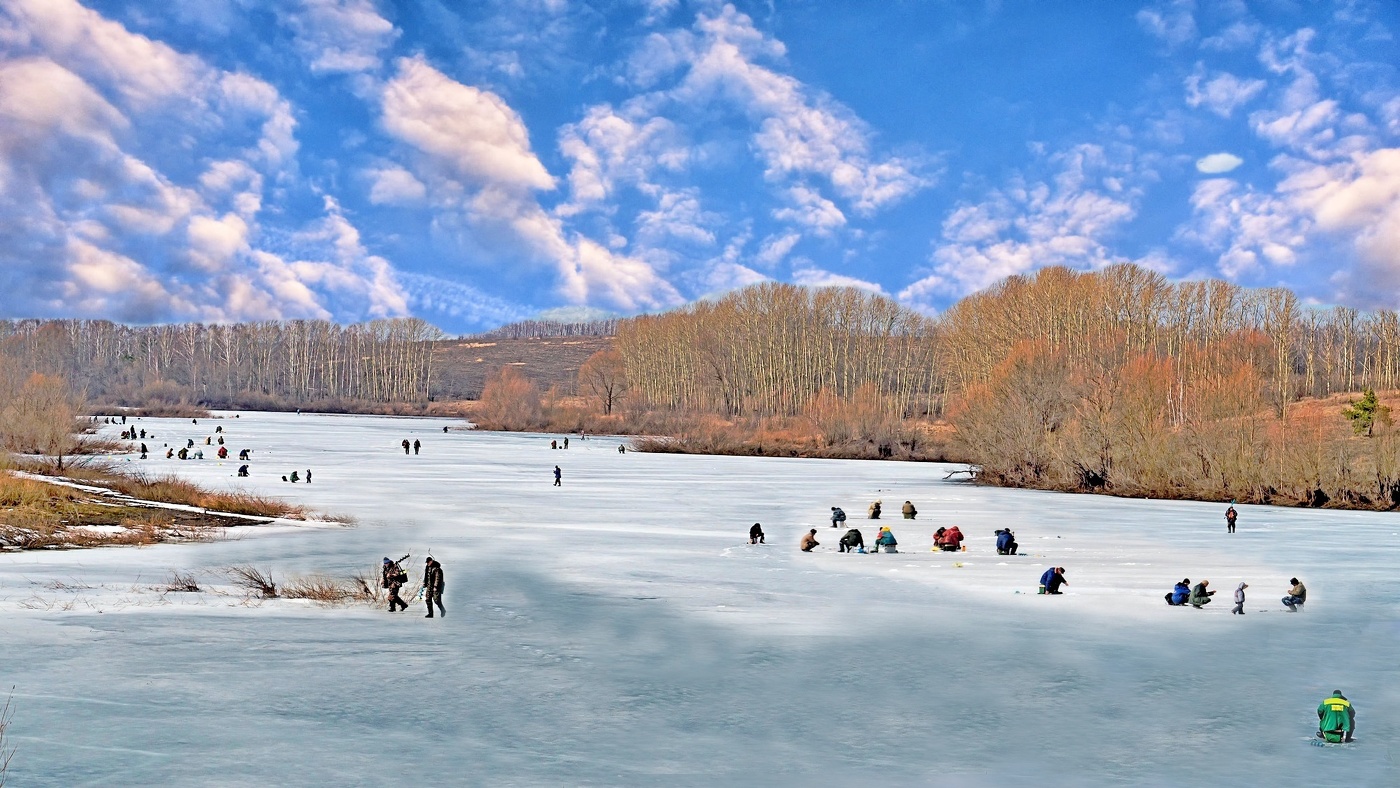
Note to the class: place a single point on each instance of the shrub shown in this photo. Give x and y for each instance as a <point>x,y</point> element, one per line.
<point>251,578</point>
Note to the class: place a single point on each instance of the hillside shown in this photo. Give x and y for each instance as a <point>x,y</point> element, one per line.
<point>461,366</point>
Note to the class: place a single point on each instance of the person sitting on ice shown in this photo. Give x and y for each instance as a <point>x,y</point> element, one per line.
<point>295,478</point>
<point>886,540</point>
<point>1053,578</point>
<point>1006,542</point>
<point>1336,718</point>
<point>223,452</point>
<point>184,454</point>
<point>1200,597</point>
<point>851,541</point>
<point>243,470</point>
<point>199,454</point>
<point>243,454</point>
<point>952,539</point>
<point>169,453</point>
<point>874,510</point>
<point>837,516</point>
<point>909,511</point>
<point>1297,595</point>
<point>1180,592</point>
<point>809,541</point>
<point>938,538</point>
<point>756,534</point>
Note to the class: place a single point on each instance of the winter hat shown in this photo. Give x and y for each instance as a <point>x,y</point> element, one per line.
<point>1243,586</point>
<point>387,561</point>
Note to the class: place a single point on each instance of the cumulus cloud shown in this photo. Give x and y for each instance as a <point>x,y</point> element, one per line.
<point>1173,22</point>
<point>395,186</point>
<point>340,36</point>
<point>1221,93</point>
<point>810,276</point>
<point>1218,163</point>
<point>1064,220</point>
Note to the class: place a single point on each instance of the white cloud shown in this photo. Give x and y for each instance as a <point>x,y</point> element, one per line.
<point>810,276</point>
<point>1218,163</point>
<point>459,300</point>
<point>1246,228</point>
<point>1236,36</point>
<point>1171,21</point>
<point>775,248</point>
<point>811,210</point>
<point>395,186</point>
<point>341,36</point>
<point>1222,93</point>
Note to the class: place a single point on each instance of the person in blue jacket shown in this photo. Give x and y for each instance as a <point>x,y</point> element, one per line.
<point>1006,542</point>
<point>886,540</point>
<point>1180,592</point>
<point>1053,578</point>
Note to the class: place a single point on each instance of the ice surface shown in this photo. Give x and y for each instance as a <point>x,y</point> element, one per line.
<point>618,630</point>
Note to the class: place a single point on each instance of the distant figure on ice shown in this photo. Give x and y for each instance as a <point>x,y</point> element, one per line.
<point>199,454</point>
<point>1239,599</point>
<point>194,421</point>
<point>756,534</point>
<point>1006,542</point>
<point>219,428</point>
<point>143,434</point>
<point>1053,578</point>
<point>432,587</point>
<point>1336,718</point>
<point>837,516</point>
<point>308,475</point>
<point>1180,592</point>
<point>952,540</point>
<point>554,444</point>
<point>566,441</point>
<point>416,446</point>
<point>444,430</point>
<point>295,478</point>
<point>851,541</point>
<point>1230,516</point>
<point>208,441</point>
<point>405,445</point>
<point>169,453</point>
<point>558,477</point>
<point>243,470</point>
<point>123,418</point>
<point>809,541</point>
<point>621,448</point>
<point>393,577</point>
<point>189,443</point>
<point>1200,597</point>
<point>874,510</point>
<point>184,454</point>
<point>243,455</point>
<point>143,451</point>
<point>886,540</point>
<point>220,440</point>
<point>223,452</point>
<point>1297,595</point>
<point>909,511</point>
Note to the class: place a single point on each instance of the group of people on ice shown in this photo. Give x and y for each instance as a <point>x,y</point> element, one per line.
<point>393,577</point>
<point>1199,595</point>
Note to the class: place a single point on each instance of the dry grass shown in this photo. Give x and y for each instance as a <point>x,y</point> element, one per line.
<point>172,489</point>
<point>7,751</point>
<point>249,577</point>
<point>183,582</point>
<point>320,589</point>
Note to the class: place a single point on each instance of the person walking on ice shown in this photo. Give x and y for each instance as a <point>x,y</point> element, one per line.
<point>1336,718</point>
<point>1297,595</point>
<point>1230,516</point>
<point>432,586</point>
<point>558,477</point>
<point>1239,599</point>
<point>416,446</point>
<point>393,577</point>
<point>756,534</point>
<point>809,541</point>
<point>404,444</point>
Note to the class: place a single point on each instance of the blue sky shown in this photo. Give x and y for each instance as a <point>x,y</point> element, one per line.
<point>477,162</point>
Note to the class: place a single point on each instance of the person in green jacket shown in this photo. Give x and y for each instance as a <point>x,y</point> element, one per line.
<point>1336,718</point>
<point>1199,595</point>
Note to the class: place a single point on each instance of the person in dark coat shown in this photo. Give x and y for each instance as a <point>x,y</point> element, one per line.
<point>243,454</point>
<point>393,578</point>
<point>1006,542</point>
<point>756,534</point>
<point>1180,592</point>
<point>566,441</point>
<point>558,477</point>
<point>1200,596</point>
<point>295,477</point>
<point>621,448</point>
<point>851,541</point>
<point>143,451</point>
<point>416,446</point>
<point>1053,578</point>
<point>837,516</point>
<point>243,470</point>
<point>404,444</point>
<point>432,586</point>
<point>308,475</point>
<point>1230,516</point>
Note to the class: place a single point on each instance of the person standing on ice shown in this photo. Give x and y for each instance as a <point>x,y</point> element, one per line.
<point>393,577</point>
<point>1336,718</point>
<point>756,534</point>
<point>1053,578</point>
<point>1200,597</point>
<point>558,477</point>
<point>837,516</point>
<point>809,541</point>
<point>404,444</point>
<point>416,446</point>
<point>308,475</point>
<point>1230,516</point>
<point>432,586</point>
<point>1239,599</point>
<point>143,451</point>
<point>1297,595</point>
<point>851,540</point>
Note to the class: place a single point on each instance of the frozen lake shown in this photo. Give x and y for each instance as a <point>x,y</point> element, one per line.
<point>618,630</point>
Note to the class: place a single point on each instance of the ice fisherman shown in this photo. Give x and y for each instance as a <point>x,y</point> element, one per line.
<point>1336,718</point>
<point>851,541</point>
<point>1200,597</point>
<point>1180,592</point>
<point>1230,517</point>
<point>223,452</point>
<point>886,540</point>
<point>243,454</point>
<point>243,470</point>
<point>873,511</point>
<point>393,578</point>
<point>295,478</point>
<point>1052,579</point>
<point>838,516</point>
<point>909,511</point>
<point>1239,599</point>
<point>809,541</point>
<point>143,451</point>
<point>558,477</point>
<point>566,441</point>
<point>404,444</point>
<point>1297,595</point>
<point>1006,542</point>
<point>952,539</point>
<point>432,586</point>
<point>621,448</point>
<point>756,534</point>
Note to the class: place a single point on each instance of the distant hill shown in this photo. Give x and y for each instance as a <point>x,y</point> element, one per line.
<point>461,366</point>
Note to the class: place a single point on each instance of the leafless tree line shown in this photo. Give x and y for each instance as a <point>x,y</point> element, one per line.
<point>533,329</point>
<point>288,362</point>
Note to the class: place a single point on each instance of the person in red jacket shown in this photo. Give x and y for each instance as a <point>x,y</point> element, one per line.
<point>952,539</point>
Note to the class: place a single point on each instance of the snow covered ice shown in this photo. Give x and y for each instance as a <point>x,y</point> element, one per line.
<point>619,630</point>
